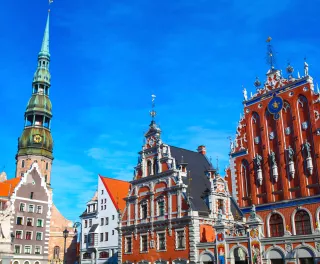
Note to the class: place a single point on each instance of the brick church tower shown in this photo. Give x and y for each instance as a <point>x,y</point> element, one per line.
<point>35,143</point>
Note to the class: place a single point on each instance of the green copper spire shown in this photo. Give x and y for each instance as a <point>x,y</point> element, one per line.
<point>45,42</point>
<point>36,139</point>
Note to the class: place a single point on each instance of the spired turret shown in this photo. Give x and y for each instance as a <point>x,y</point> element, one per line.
<point>36,144</point>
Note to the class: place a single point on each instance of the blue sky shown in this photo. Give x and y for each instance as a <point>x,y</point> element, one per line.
<point>108,57</point>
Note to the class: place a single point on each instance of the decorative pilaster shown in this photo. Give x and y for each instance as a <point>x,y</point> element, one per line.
<point>194,236</point>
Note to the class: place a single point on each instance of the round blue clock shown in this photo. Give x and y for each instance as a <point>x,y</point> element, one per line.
<point>275,105</point>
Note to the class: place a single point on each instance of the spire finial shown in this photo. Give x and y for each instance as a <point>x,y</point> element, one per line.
<point>217,164</point>
<point>153,113</point>
<point>270,54</point>
<point>45,42</point>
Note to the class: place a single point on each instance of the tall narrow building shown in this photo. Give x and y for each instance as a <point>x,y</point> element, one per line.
<point>35,143</point>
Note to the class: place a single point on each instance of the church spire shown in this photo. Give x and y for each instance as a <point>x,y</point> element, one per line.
<point>45,42</point>
<point>35,143</point>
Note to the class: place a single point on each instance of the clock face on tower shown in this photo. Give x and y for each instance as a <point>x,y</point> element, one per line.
<point>37,138</point>
<point>151,141</point>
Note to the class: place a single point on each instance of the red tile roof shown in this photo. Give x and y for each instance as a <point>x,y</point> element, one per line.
<point>117,190</point>
<point>7,187</point>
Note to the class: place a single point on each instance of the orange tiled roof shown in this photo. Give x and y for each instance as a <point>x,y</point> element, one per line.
<point>7,187</point>
<point>117,190</point>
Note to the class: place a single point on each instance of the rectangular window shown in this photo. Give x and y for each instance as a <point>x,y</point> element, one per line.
<point>161,241</point>
<point>105,207</point>
<point>101,191</point>
<point>128,244</point>
<point>27,249</point>
<point>180,239</point>
<point>107,220</point>
<point>101,237</point>
<point>39,236</point>
<point>144,211</point>
<point>85,223</point>
<point>22,207</point>
<point>91,239</point>
<point>90,222</point>
<point>112,252</point>
<point>28,235</point>
<point>29,221</point>
<point>112,217</point>
<point>37,250</point>
<point>101,207</point>
<point>85,239</point>
<point>161,208</point>
<point>19,220</point>
<point>31,195</point>
<point>18,234</point>
<point>39,209</point>
<point>39,223</point>
<point>102,221</point>
<point>17,249</point>
<point>144,243</point>
<point>112,232</point>
<point>31,208</point>
<point>102,201</point>
<point>106,236</point>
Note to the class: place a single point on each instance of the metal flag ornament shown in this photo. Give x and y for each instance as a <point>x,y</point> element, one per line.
<point>275,105</point>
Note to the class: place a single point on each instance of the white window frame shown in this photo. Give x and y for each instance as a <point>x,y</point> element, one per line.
<point>32,221</point>
<point>15,234</point>
<point>176,238</point>
<point>161,199</point>
<point>14,248</point>
<point>41,235</point>
<point>35,249</point>
<point>141,235</point>
<point>29,208</point>
<point>24,249</point>
<point>42,222</point>
<point>40,210</point>
<point>125,245</point>
<point>158,241</point>
<point>144,202</point>
<point>22,220</point>
<point>25,207</point>
<point>31,235</point>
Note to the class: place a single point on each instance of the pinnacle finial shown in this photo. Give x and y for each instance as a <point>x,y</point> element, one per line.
<point>45,42</point>
<point>270,54</point>
<point>153,113</point>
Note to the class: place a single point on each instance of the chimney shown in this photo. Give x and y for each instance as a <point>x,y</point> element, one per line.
<point>202,150</point>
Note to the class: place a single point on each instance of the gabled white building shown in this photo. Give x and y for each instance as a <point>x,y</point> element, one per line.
<point>99,240</point>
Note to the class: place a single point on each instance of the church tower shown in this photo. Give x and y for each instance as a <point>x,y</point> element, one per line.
<point>36,144</point>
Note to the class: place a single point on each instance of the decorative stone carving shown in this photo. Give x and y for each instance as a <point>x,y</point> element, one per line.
<point>288,248</point>
<point>290,153</point>
<point>274,166</point>
<point>306,147</point>
<point>257,162</point>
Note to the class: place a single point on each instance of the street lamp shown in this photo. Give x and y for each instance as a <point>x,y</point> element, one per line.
<point>65,235</point>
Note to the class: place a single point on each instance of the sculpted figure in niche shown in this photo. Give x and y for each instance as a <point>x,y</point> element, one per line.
<point>290,153</point>
<point>257,160</point>
<point>273,158</point>
<point>306,147</point>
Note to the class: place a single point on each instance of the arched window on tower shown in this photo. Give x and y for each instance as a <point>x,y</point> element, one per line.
<point>56,252</point>
<point>276,225</point>
<point>149,167</point>
<point>302,223</point>
<point>245,178</point>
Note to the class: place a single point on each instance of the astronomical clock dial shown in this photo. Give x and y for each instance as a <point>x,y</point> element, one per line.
<point>37,138</point>
<point>151,142</point>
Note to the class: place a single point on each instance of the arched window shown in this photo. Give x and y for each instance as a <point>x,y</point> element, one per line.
<point>245,178</point>
<point>302,222</point>
<point>155,167</point>
<point>104,254</point>
<point>149,167</point>
<point>47,166</point>
<point>56,252</point>
<point>276,225</point>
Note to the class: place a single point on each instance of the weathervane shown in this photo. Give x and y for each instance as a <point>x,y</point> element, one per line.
<point>153,113</point>
<point>270,54</point>
<point>50,2</point>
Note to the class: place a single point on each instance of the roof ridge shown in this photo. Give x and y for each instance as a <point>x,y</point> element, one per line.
<point>184,149</point>
<point>112,178</point>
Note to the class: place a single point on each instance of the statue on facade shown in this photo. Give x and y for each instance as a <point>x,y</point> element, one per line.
<point>245,94</point>
<point>273,158</point>
<point>257,160</point>
<point>253,213</point>
<point>306,147</point>
<point>290,153</point>
<point>306,69</point>
<point>219,220</point>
